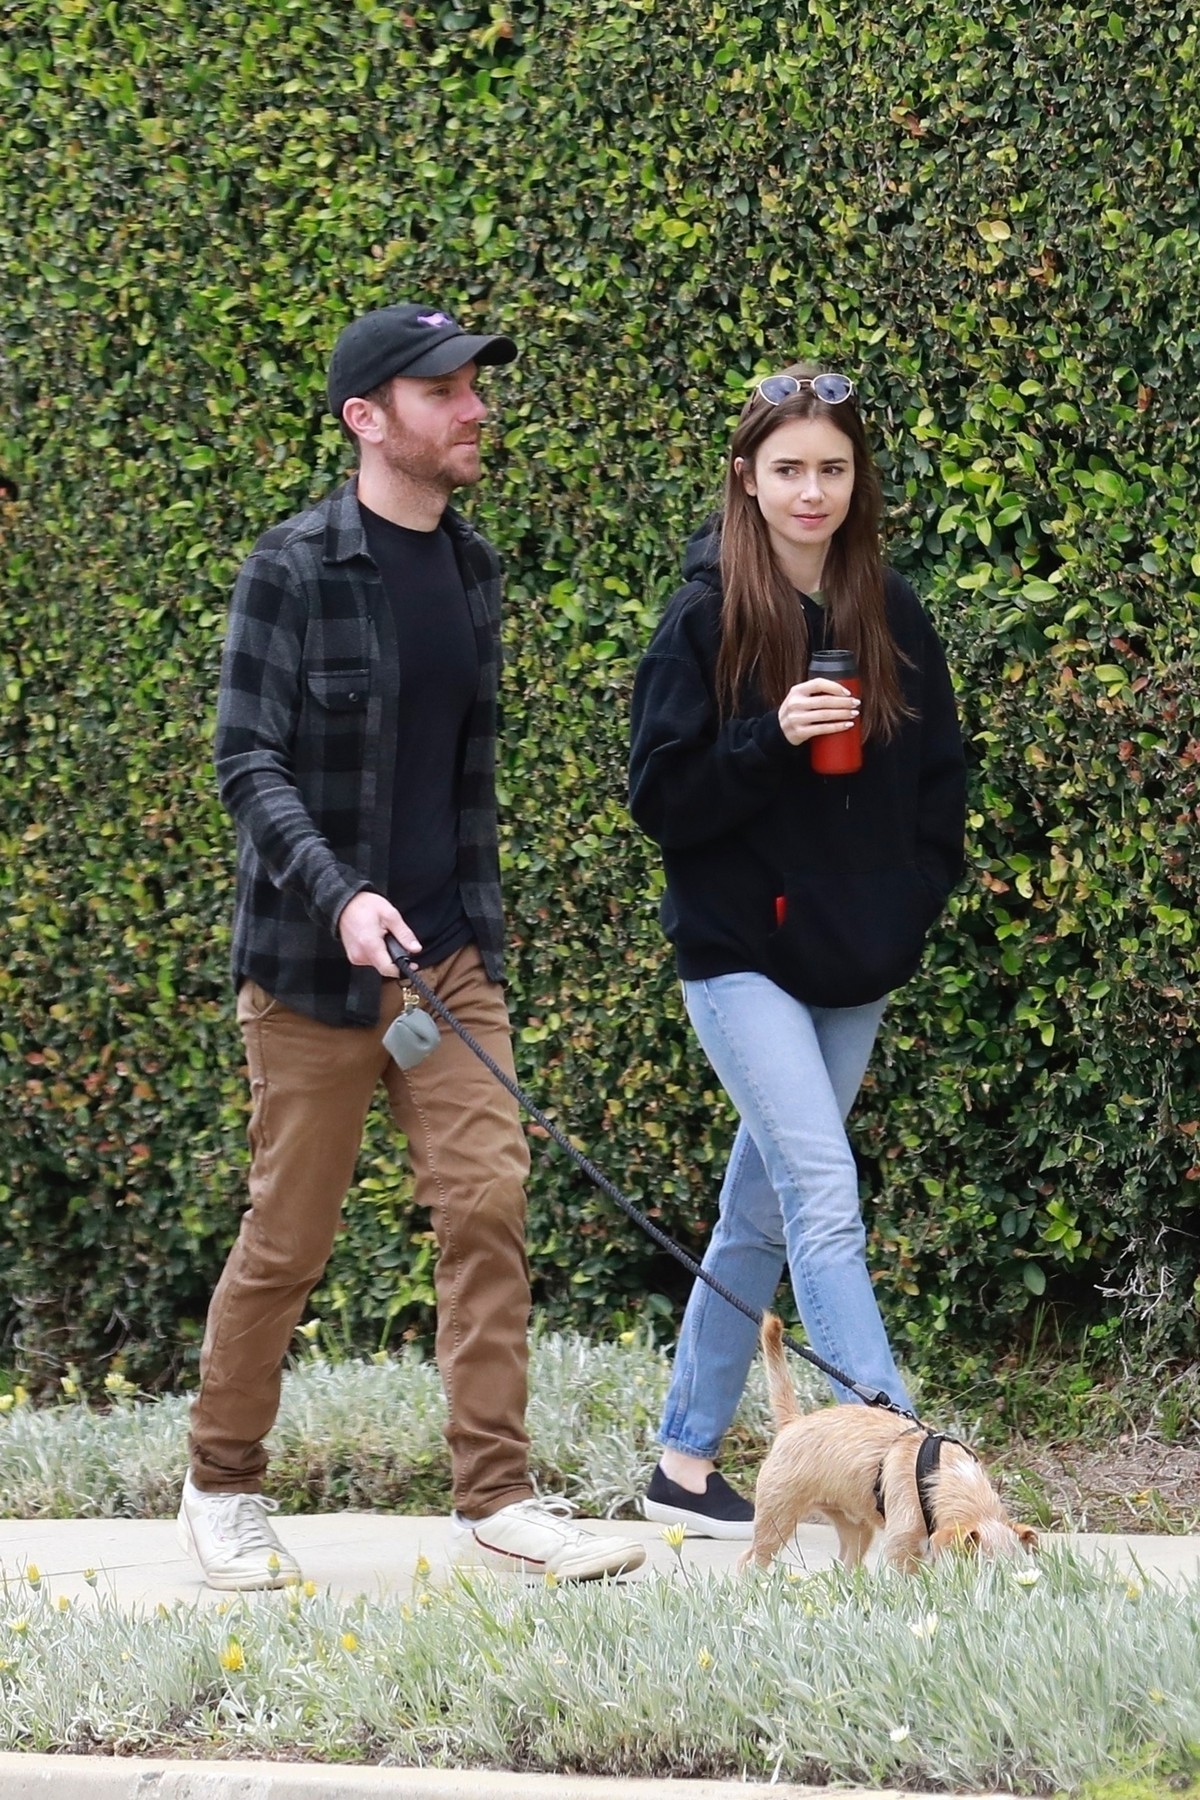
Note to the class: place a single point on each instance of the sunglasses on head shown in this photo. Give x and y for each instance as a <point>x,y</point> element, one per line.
<point>832,389</point>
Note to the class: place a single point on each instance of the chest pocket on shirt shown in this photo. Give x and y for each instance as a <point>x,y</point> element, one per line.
<point>340,690</point>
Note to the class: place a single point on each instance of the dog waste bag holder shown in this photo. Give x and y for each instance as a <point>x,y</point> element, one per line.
<point>411,1037</point>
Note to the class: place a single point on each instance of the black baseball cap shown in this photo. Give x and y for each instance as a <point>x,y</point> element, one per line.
<point>417,341</point>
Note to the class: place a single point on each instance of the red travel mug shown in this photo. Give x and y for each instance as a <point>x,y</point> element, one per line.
<point>837,752</point>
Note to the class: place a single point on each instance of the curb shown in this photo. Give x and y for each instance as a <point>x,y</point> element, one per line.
<point>35,1777</point>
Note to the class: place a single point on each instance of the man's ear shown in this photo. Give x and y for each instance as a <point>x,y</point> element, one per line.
<point>952,1537</point>
<point>362,418</point>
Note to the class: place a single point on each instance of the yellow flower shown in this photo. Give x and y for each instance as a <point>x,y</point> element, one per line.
<point>310,1588</point>
<point>310,1330</point>
<point>70,1388</point>
<point>349,1641</point>
<point>33,1575</point>
<point>674,1535</point>
<point>273,1563</point>
<point>924,1628</point>
<point>1157,1694</point>
<point>550,1578</point>
<point>89,1575</point>
<point>422,1568</point>
<point>64,1604</point>
<point>1133,1590</point>
<point>627,1337</point>
<point>5,1665</point>
<point>20,1626</point>
<point>233,1657</point>
<point>705,1659</point>
<point>6,1403</point>
<point>21,1395</point>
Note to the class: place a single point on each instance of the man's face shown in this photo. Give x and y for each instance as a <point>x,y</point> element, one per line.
<point>430,429</point>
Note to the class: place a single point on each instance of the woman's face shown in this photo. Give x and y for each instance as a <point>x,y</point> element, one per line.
<point>803,480</point>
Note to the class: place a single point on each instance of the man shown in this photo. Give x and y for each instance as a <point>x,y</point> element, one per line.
<point>355,750</point>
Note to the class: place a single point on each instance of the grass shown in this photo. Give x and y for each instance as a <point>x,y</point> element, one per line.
<point>1176,1786</point>
<point>368,1436</point>
<point>963,1678</point>
<point>1084,1437</point>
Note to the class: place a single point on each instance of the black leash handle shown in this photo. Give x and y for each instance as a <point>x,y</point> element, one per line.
<point>868,1395</point>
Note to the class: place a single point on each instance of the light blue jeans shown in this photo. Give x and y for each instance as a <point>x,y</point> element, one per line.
<point>790,1195</point>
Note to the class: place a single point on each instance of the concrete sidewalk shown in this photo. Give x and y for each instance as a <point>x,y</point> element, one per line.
<point>138,1562</point>
<point>159,1778</point>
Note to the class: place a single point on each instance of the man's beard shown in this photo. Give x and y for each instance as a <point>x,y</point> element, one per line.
<point>428,465</point>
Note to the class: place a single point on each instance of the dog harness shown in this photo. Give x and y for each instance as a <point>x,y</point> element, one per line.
<point>929,1458</point>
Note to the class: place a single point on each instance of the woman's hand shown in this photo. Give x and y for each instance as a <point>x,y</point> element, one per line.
<point>815,709</point>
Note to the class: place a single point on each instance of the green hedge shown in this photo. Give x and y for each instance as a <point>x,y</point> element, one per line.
<point>985,211</point>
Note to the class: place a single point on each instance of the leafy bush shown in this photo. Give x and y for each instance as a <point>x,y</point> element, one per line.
<point>963,205</point>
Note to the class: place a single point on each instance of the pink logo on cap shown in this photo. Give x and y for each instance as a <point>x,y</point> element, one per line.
<point>434,319</point>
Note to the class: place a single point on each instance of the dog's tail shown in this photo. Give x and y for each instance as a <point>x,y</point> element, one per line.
<point>783,1394</point>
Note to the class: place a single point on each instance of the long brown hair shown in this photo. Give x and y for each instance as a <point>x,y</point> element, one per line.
<point>764,637</point>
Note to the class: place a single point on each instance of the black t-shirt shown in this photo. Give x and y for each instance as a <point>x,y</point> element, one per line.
<point>439,673</point>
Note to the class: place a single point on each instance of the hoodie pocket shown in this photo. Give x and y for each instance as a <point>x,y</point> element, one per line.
<point>849,938</point>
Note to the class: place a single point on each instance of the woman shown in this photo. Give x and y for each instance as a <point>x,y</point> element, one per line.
<point>796,901</point>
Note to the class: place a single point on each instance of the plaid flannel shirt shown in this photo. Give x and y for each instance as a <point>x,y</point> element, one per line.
<point>306,754</point>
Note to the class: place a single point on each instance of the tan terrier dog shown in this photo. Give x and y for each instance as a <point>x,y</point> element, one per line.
<point>864,1470</point>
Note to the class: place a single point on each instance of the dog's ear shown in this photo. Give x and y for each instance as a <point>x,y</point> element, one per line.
<point>1027,1537</point>
<point>953,1537</point>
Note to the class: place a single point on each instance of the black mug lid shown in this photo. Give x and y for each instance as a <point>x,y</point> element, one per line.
<point>832,662</point>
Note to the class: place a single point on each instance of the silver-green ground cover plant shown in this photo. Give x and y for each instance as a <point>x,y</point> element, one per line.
<point>1027,1678</point>
<point>965,1677</point>
<point>367,1435</point>
<point>363,1435</point>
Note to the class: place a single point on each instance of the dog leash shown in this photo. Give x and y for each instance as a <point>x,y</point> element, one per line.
<point>868,1395</point>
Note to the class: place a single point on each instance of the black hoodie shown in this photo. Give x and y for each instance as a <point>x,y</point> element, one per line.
<point>859,865</point>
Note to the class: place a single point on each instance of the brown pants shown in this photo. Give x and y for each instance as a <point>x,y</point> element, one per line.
<point>311,1087</point>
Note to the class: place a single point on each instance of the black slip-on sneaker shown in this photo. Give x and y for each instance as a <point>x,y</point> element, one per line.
<point>716,1513</point>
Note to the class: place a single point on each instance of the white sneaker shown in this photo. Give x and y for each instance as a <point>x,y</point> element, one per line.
<point>231,1539</point>
<point>539,1537</point>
